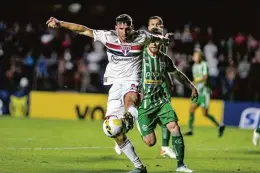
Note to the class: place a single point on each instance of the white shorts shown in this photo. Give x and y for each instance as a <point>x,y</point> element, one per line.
<point>115,103</point>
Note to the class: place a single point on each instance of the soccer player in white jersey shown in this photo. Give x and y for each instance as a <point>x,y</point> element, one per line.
<point>124,51</point>
<point>157,22</point>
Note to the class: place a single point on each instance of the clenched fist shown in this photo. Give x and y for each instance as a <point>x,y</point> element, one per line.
<point>53,23</point>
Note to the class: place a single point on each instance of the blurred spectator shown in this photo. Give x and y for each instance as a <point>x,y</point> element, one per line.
<point>93,59</point>
<point>254,76</point>
<point>210,52</point>
<point>228,83</point>
<point>59,60</point>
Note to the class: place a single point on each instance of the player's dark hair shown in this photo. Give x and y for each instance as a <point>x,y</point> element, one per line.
<point>156,17</point>
<point>124,18</point>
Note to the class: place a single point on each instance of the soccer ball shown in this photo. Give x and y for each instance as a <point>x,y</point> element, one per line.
<point>113,126</point>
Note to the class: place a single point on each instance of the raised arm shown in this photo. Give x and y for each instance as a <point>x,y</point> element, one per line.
<point>55,23</point>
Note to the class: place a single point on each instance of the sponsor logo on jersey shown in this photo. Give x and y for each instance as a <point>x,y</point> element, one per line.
<point>116,59</point>
<point>153,81</point>
<point>152,74</point>
<point>125,49</point>
<point>250,118</point>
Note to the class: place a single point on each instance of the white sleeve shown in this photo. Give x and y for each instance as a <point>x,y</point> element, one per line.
<point>100,35</point>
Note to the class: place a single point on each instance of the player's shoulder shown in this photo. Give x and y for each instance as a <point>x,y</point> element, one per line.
<point>204,63</point>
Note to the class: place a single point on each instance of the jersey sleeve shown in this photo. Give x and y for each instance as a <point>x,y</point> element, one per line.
<point>101,35</point>
<point>205,69</point>
<point>148,37</point>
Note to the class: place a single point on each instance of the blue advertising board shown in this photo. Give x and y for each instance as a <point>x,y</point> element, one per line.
<point>242,114</point>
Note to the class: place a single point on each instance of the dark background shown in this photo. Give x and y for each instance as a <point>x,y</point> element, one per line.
<point>229,21</point>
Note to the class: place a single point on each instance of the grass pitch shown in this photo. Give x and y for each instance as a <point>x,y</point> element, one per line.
<point>57,146</point>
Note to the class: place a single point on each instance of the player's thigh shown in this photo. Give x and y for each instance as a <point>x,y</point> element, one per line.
<point>130,92</point>
<point>167,114</point>
<point>147,121</point>
<point>115,106</point>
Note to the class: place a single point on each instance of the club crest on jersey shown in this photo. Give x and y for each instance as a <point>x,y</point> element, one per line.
<point>125,49</point>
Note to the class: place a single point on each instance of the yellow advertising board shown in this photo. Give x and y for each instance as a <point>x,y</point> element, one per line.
<point>67,105</point>
<point>181,106</point>
<point>72,106</point>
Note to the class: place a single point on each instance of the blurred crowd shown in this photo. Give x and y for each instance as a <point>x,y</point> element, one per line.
<point>54,60</point>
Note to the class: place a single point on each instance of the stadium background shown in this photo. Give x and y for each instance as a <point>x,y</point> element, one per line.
<point>67,66</point>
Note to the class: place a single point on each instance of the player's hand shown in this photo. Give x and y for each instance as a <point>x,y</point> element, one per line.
<point>169,35</point>
<point>53,23</point>
<point>194,95</point>
<point>165,40</point>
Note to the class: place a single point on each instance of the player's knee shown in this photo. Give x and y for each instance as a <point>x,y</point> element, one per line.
<point>149,140</point>
<point>173,127</point>
<point>205,112</point>
<point>192,109</point>
<point>131,98</point>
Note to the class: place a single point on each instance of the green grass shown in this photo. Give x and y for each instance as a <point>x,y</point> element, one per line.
<point>56,146</point>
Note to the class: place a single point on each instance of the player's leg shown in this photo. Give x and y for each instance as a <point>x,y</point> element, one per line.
<point>131,98</point>
<point>115,108</point>
<point>205,106</point>
<point>178,146</point>
<point>256,136</point>
<point>147,121</point>
<point>193,108</point>
<point>169,118</point>
<point>165,149</point>
<point>128,149</point>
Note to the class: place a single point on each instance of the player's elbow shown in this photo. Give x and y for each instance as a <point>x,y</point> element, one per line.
<point>87,32</point>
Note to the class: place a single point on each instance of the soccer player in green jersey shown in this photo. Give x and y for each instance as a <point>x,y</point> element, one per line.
<point>157,22</point>
<point>200,79</point>
<point>155,107</point>
<point>256,136</point>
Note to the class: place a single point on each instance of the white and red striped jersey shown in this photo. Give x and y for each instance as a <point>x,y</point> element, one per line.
<point>124,60</point>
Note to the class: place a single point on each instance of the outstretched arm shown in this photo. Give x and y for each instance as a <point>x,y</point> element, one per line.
<point>55,23</point>
<point>181,77</point>
<point>177,74</point>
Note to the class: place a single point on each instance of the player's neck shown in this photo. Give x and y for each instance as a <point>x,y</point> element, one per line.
<point>122,41</point>
<point>151,53</point>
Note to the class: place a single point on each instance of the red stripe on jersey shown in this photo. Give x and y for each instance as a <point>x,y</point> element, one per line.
<point>118,47</point>
<point>113,46</point>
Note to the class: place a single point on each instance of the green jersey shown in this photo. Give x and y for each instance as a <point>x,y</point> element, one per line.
<point>198,72</point>
<point>153,76</point>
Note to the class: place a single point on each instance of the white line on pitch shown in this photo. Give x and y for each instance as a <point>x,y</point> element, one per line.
<point>56,148</point>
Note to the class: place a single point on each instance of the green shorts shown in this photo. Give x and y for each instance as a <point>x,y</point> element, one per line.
<point>149,118</point>
<point>203,100</point>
